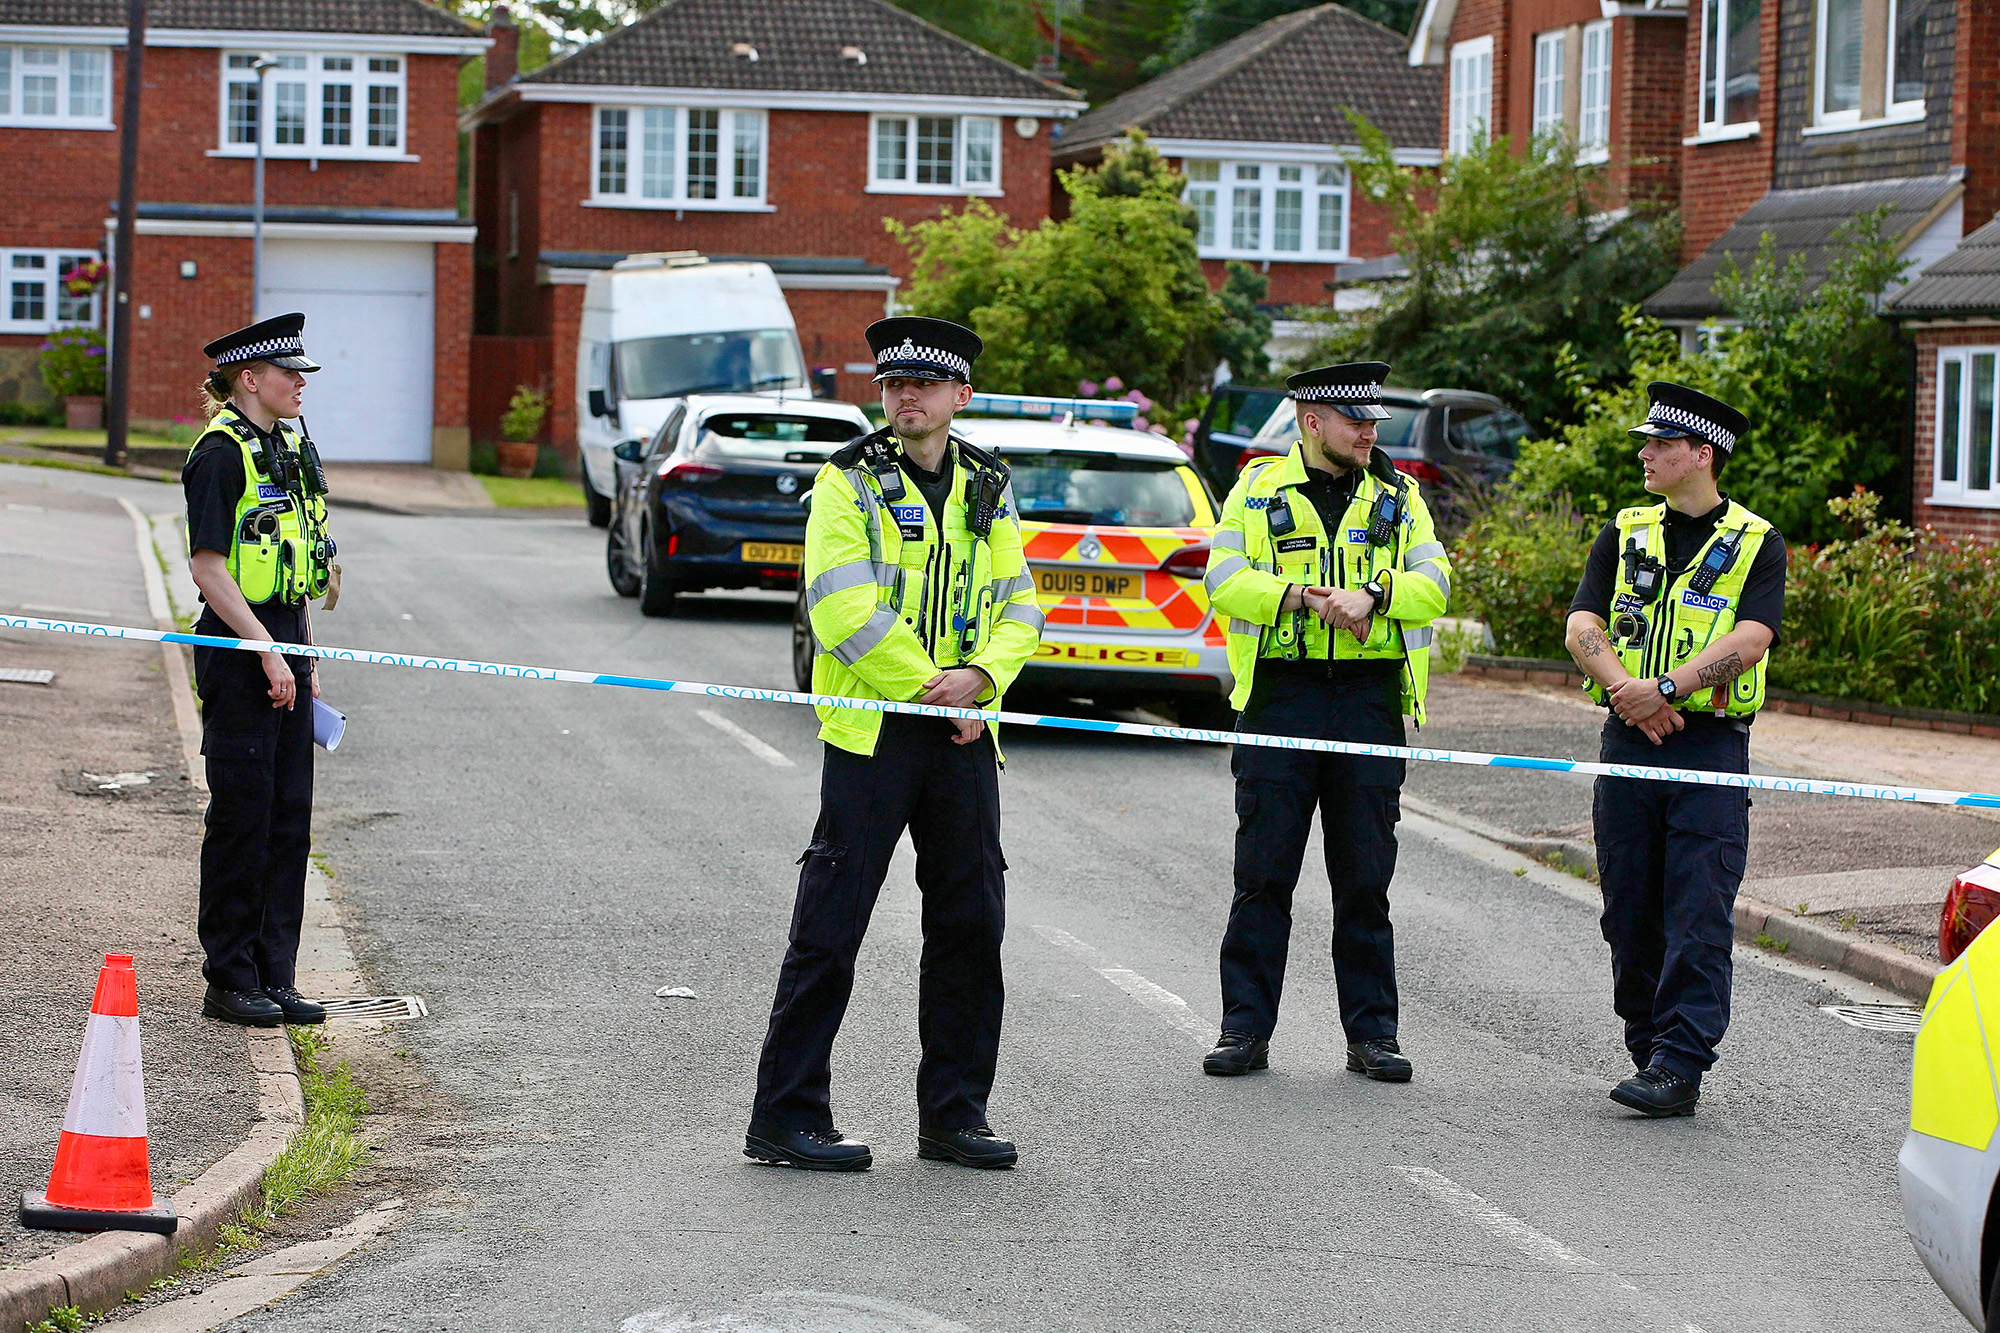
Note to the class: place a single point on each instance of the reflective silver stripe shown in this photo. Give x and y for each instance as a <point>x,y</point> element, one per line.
<point>1417,640</point>
<point>885,578</point>
<point>858,644</point>
<point>1426,551</point>
<point>1245,627</point>
<point>1435,571</point>
<point>1025,612</point>
<point>1003,589</point>
<point>1229,541</point>
<point>1220,572</point>
<point>853,574</point>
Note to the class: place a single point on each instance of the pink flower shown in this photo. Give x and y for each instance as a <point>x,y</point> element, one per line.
<point>1139,396</point>
<point>1114,385</point>
<point>1140,423</point>
<point>1086,388</point>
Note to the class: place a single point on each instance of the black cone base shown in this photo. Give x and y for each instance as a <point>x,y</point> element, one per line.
<point>37,1211</point>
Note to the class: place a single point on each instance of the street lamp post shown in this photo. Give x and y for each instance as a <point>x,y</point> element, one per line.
<point>264,65</point>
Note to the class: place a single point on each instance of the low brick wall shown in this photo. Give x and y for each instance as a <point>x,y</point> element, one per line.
<point>1543,671</point>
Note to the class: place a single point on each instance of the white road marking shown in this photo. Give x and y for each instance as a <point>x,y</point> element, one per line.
<point>1157,998</point>
<point>768,753</point>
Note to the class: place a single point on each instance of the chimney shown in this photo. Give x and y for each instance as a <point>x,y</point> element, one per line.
<point>503,58</point>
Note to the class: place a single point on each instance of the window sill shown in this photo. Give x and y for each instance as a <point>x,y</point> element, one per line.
<point>1748,129</point>
<point>1911,117</point>
<point>1593,157</point>
<point>42,330</point>
<point>935,191</point>
<point>685,205</point>
<point>52,123</point>
<point>292,155</point>
<point>1275,256</point>
<point>1989,501</point>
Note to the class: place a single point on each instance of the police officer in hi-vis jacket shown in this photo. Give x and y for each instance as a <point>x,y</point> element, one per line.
<point>1679,606</point>
<point>1329,574</point>
<point>917,591</point>
<point>256,515</point>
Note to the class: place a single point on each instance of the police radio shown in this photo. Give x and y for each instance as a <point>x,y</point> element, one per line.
<point>314,473</point>
<point>984,492</point>
<point>1382,519</point>
<point>1721,557</point>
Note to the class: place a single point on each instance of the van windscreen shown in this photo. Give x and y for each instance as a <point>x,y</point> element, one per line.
<point>741,362</point>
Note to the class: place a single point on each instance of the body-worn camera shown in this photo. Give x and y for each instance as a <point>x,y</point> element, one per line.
<point>1644,572</point>
<point>1278,516</point>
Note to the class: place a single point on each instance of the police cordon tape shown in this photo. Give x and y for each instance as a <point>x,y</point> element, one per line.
<point>1423,754</point>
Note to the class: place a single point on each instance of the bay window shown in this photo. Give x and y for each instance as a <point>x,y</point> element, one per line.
<point>934,155</point>
<point>1266,210</point>
<point>322,104</point>
<point>678,157</point>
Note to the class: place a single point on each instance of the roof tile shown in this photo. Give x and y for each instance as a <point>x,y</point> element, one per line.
<point>1964,282</point>
<point>401,17</point>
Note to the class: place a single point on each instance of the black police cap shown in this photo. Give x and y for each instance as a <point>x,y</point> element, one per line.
<point>1353,388</point>
<point>277,340</point>
<point>914,347</point>
<point>1678,411</point>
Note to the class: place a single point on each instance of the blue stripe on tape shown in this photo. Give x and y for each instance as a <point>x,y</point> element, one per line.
<point>1752,781</point>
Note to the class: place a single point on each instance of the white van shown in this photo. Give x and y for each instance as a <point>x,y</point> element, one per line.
<point>657,327</point>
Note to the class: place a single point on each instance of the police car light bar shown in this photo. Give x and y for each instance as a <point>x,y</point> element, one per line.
<point>1027,405</point>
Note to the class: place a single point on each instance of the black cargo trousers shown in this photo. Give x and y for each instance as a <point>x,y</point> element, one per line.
<point>948,797</point>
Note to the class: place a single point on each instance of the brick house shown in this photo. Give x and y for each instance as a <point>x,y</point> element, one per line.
<point>1952,314</point>
<point>1607,73</point>
<point>1803,114</point>
<point>1259,127</point>
<point>778,130</point>
<point>362,229</point>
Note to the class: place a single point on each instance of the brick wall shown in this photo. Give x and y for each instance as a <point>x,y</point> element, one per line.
<point>1648,77</point>
<point>451,437</point>
<point>563,315</point>
<point>1515,115</point>
<point>1975,108</point>
<point>1946,518</point>
<point>175,316</point>
<point>1922,148</point>
<point>1722,179</point>
<point>830,326</point>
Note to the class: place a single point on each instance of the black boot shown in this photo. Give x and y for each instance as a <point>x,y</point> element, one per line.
<point>1381,1059</point>
<point>1656,1092</point>
<point>1236,1053</point>
<point>976,1146</point>
<point>252,1009</point>
<point>297,1008</point>
<point>812,1149</point>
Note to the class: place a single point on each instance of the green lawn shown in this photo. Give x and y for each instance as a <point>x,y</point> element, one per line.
<point>60,438</point>
<point>533,492</point>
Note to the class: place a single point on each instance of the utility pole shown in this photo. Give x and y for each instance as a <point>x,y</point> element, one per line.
<point>118,410</point>
<point>265,64</point>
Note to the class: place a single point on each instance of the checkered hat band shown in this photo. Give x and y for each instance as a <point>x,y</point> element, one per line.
<point>1365,393</point>
<point>1694,421</point>
<point>258,351</point>
<point>936,356</point>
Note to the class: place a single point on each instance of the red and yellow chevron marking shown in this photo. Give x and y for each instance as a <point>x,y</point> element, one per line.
<point>1165,601</point>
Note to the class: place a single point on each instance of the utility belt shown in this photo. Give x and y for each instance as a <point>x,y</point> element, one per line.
<point>1337,671</point>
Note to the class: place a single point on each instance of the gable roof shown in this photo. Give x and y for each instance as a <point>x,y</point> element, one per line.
<point>398,17</point>
<point>1802,222</point>
<point>799,45</point>
<point>1964,282</point>
<point>1290,80</point>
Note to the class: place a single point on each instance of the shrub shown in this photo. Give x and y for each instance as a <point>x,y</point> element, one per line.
<point>525,410</point>
<point>1517,567</point>
<point>73,363</point>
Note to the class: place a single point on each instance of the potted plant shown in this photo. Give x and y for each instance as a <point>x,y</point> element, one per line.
<point>73,368</point>
<point>522,422</point>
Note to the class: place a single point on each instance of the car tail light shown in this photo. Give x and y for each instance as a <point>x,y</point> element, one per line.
<point>1970,906</point>
<point>1428,473</point>
<point>687,472</point>
<point>1250,456</point>
<point>1190,562</point>
<point>673,542</point>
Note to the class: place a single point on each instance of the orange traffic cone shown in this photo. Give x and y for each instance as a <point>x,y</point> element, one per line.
<point>102,1181</point>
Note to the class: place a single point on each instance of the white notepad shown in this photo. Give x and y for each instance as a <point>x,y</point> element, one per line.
<point>329,725</point>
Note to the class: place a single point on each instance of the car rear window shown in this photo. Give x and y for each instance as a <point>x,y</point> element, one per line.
<point>1094,488</point>
<point>1397,436</point>
<point>773,437</point>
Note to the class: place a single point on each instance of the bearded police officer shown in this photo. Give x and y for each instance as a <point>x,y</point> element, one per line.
<point>1679,605</point>
<point>917,591</point>
<point>1329,573</point>
<point>256,514</point>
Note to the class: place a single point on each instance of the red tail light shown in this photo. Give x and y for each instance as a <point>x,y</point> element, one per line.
<point>1190,562</point>
<point>686,472</point>
<point>1418,468</point>
<point>1250,456</point>
<point>1970,906</point>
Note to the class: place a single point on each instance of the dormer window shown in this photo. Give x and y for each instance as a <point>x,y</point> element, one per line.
<point>1869,62</point>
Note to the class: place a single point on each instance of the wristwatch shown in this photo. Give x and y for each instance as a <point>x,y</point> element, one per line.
<point>1375,590</point>
<point>1668,690</point>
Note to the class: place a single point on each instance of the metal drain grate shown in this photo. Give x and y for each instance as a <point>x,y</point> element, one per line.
<point>27,676</point>
<point>1878,1017</point>
<point>377,1008</point>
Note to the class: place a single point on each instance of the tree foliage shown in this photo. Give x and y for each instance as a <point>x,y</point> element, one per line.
<point>1113,289</point>
<point>1511,258</point>
<point>1204,24</point>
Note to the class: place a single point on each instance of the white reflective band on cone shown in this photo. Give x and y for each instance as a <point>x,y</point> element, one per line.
<point>108,1098</point>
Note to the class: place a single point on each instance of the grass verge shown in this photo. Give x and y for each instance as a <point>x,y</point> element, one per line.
<point>533,492</point>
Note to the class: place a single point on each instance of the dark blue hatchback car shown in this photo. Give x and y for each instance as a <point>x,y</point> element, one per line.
<point>712,499</point>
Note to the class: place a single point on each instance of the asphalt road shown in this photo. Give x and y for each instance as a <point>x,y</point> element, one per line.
<point>537,858</point>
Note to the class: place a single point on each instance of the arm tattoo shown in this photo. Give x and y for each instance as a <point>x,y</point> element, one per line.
<point>1722,672</point>
<point>1592,642</point>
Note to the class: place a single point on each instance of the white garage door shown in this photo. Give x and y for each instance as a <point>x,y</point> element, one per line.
<point>368,311</point>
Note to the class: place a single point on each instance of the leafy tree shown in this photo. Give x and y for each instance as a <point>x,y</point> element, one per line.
<point>1116,288</point>
<point>1511,258</point>
<point>1205,24</point>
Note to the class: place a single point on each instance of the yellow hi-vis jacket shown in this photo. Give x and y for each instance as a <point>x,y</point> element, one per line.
<point>1250,569</point>
<point>279,549</point>
<point>897,594</point>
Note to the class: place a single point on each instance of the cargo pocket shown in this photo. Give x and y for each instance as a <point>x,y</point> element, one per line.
<point>234,745</point>
<point>823,916</point>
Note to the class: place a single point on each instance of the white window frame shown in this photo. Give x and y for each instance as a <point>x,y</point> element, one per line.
<point>70,62</point>
<point>1317,181</point>
<point>1714,34</point>
<point>1470,116</point>
<point>49,277</point>
<point>730,123</point>
<point>1959,490</point>
<point>1858,117</point>
<point>1593,105</point>
<point>1551,61</point>
<point>908,183</point>
<point>361,77</point>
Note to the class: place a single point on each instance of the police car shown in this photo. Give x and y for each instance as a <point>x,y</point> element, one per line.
<point>1950,1164</point>
<point>1115,525</point>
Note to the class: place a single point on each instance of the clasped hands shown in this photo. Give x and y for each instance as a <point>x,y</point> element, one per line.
<point>1351,609</point>
<point>959,687</point>
<point>1640,704</point>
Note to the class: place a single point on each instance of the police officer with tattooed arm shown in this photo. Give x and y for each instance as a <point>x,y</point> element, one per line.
<point>256,513</point>
<point>1679,606</point>
<point>918,591</point>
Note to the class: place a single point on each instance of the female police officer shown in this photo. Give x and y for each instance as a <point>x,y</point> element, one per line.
<point>257,532</point>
